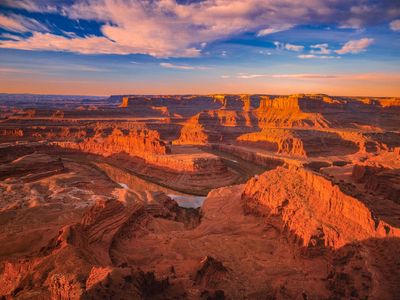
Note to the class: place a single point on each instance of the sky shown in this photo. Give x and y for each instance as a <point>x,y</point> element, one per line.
<point>104,47</point>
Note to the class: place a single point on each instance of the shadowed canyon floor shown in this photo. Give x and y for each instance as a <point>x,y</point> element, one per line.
<point>200,197</point>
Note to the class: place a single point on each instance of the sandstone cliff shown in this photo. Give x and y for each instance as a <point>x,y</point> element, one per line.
<point>302,143</point>
<point>378,179</point>
<point>214,126</point>
<point>139,142</point>
<point>288,112</point>
<point>313,208</point>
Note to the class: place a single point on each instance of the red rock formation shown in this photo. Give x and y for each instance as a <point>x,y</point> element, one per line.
<point>140,142</point>
<point>76,264</point>
<point>210,272</point>
<point>214,126</point>
<point>300,142</point>
<point>313,208</point>
<point>249,155</point>
<point>379,179</point>
<point>125,102</point>
<point>193,133</point>
<point>288,112</point>
<point>32,167</point>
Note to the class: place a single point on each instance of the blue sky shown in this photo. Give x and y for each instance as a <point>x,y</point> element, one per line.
<point>103,47</point>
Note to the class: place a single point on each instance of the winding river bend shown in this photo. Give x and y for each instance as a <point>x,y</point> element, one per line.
<point>130,181</point>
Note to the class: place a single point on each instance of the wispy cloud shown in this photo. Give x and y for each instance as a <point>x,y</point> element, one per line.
<point>351,76</point>
<point>166,28</point>
<point>265,52</point>
<point>182,67</point>
<point>33,5</point>
<point>287,46</point>
<point>15,70</point>
<point>17,23</point>
<point>51,42</point>
<point>293,76</point>
<point>9,36</point>
<point>250,76</point>
<point>311,56</point>
<point>320,49</point>
<point>395,25</point>
<point>295,48</point>
<point>274,29</point>
<point>305,76</point>
<point>355,46</point>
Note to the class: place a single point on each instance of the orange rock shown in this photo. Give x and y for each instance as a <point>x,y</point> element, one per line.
<point>301,143</point>
<point>139,142</point>
<point>289,112</point>
<point>313,208</point>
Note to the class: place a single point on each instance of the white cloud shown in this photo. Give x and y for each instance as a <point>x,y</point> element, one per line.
<point>310,56</point>
<point>345,76</point>
<point>85,45</point>
<point>295,48</point>
<point>250,76</point>
<point>265,52</point>
<point>272,29</point>
<point>295,76</point>
<point>182,67</point>
<point>395,25</point>
<point>355,46</point>
<point>279,45</point>
<point>17,23</point>
<point>167,28</point>
<point>352,23</point>
<point>290,47</point>
<point>321,49</point>
<point>9,36</point>
<point>33,5</point>
<point>306,76</point>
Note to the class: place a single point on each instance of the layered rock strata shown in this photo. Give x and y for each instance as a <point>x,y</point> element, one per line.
<point>313,208</point>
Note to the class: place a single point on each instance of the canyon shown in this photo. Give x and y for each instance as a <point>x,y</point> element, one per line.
<point>200,197</point>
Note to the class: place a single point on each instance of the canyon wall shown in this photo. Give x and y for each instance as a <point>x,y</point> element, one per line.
<point>378,179</point>
<point>257,158</point>
<point>303,143</point>
<point>139,142</point>
<point>288,112</point>
<point>313,208</point>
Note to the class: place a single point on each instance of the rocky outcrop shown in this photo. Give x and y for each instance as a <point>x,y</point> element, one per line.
<point>199,162</point>
<point>15,133</point>
<point>252,156</point>
<point>147,145</point>
<point>195,133</point>
<point>288,112</point>
<point>313,208</point>
<point>389,102</point>
<point>380,180</point>
<point>123,282</point>
<point>215,126</point>
<point>300,142</point>
<point>77,263</point>
<point>32,167</point>
<point>210,272</point>
<point>125,102</point>
<point>139,142</point>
